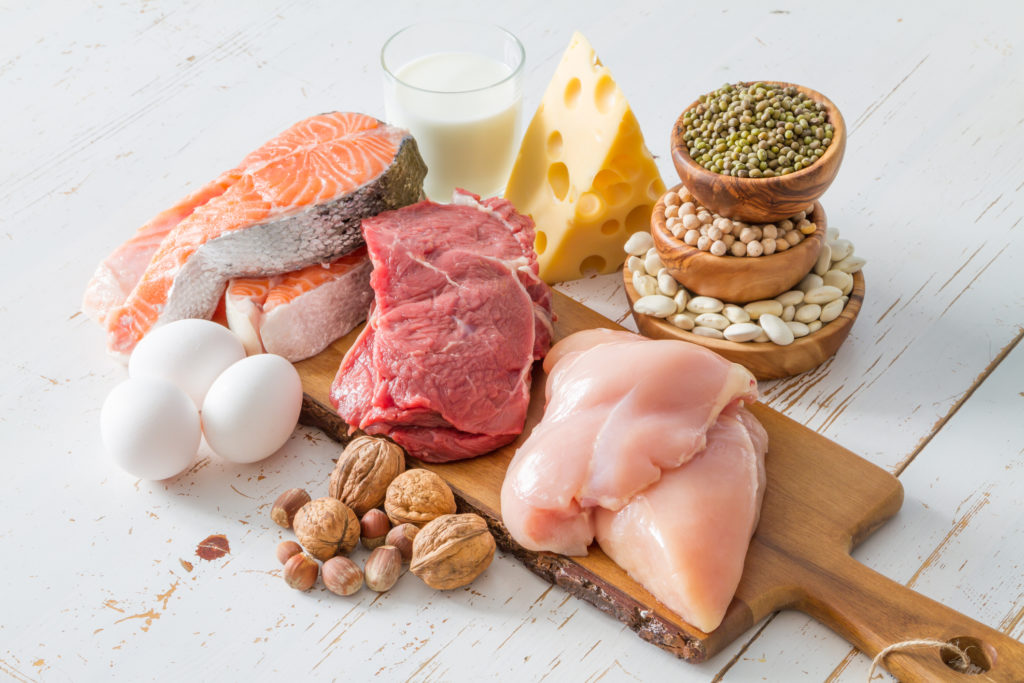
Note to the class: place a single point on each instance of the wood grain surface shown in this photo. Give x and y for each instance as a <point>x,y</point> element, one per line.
<point>821,500</point>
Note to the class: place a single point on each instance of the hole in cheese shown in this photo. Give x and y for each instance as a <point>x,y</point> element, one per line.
<point>554,145</point>
<point>572,93</point>
<point>639,218</point>
<point>655,189</point>
<point>592,264</point>
<point>540,243</point>
<point>612,187</point>
<point>558,179</point>
<point>610,227</point>
<point>589,205</point>
<point>604,94</point>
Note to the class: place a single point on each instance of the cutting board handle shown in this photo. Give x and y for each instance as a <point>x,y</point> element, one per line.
<point>873,612</point>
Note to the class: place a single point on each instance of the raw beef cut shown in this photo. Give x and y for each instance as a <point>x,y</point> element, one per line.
<point>297,314</point>
<point>443,365</point>
<point>636,434</point>
<point>295,202</point>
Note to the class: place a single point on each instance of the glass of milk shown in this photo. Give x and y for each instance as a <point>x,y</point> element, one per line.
<point>457,86</point>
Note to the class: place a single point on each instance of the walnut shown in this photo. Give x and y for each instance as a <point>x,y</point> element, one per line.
<point>452,550</point>
<point>365,469</point>
<point>326,527</point>
<point>418,496</point>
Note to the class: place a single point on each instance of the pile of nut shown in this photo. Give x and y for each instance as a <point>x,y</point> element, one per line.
<point>699,227</point>
<point>818,299</point>
<point>446,550</point>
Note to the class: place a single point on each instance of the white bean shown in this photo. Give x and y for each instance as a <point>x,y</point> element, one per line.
<point>823,294</point>
<point>681,297</point>
<point>808,313</point>
<point>742,332</point>
<point>793,297</point>
<point>824,260</point>
<point>635,264</point>
<point>735,314</point>
<point>810,281</point>
<point>704,304</point>
<point>831,310</point>
<point>667,284</point>
<point>655,304</point>
<point>681,320</point>
<point>788,312</point>
<point>831,234</point>
<point>798,329</point>
<point>762,338</point>
<point>652,262</point>
<point>851,264</point>
<point>839,279</point>
<point>645,285</point>
<point>638,243</point>
<point>776,329</point>
<point>841,249</point>
<point>708,332</point>
<point>715,320</point>
<point>814,326</point>
<point>755,309</point>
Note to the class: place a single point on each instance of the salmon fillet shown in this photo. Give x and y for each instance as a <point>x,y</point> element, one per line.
<point>297,314</point>
<point>296,201</point>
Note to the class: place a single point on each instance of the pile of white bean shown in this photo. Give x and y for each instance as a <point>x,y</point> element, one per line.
<point>818,299</point>
<point>697,226</point>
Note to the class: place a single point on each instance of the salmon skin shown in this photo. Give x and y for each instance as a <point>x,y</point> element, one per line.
<point>296,201</point>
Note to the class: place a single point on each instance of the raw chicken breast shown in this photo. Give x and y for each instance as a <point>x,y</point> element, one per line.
<point>621,409</point>
<point>685,537</point>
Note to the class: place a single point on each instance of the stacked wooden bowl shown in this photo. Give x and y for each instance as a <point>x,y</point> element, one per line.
<point>739,280</point>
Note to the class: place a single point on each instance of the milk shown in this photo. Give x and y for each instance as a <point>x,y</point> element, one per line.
<point>463,109</point>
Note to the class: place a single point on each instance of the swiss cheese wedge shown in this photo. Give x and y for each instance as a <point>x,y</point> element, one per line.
<point>583,172</point>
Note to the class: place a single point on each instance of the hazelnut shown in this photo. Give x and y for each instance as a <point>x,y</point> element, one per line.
<point>365,469</point>
<point>452,550</point>
<point>418,496</point>
<point>285,550</point>
<point>401,537</point>
<point>382,568</point>
<point>326,527</point>
<point>286,505</point>
<point>342,576</point>
<point>374,527</point>
<point>300,572</point>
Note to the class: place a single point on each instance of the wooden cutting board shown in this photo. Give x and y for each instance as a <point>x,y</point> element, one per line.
<point>821,501</point>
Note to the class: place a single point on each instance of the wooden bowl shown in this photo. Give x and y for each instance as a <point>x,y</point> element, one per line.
<point>765,360</point>
<point>762,200</point>
<point>737,279</point>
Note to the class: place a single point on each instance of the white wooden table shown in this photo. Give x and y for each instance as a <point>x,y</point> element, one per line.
<point>112,111</point>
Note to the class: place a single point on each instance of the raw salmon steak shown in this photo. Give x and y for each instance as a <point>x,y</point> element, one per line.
<point>295,202</point>
<point>297,314</point>
<point>635,434</point>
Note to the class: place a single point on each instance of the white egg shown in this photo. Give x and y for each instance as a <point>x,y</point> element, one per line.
<point>252,408</point>
<point>150,428</point>
<point>190,353</point>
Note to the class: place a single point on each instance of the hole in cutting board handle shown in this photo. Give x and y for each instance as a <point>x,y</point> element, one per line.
<point>981,655</point>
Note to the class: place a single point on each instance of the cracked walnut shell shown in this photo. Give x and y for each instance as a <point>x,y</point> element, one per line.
<point>418,496</point>
<point>452,550</point>
<point>364,471</point>
<point>326,527</point>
